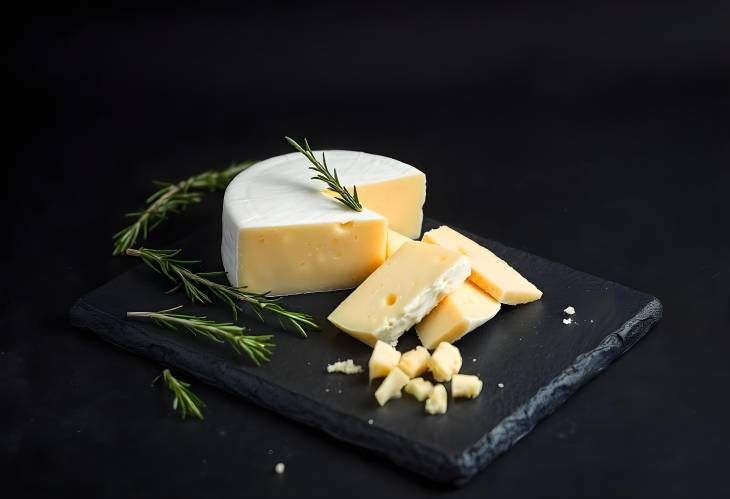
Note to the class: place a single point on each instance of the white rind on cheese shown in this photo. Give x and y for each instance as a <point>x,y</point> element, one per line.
<point>275,197</point>
<point>400,292</point>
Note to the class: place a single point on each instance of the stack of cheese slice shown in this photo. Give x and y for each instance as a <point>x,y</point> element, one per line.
<point>422,284</point>
<point>284,233</point>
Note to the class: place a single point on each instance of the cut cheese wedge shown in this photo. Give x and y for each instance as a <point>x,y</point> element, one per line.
<point>283,234</point>
<point>400,292</point>
<point>395,241</point>
<point>458,314</point>
<point>489,272</point>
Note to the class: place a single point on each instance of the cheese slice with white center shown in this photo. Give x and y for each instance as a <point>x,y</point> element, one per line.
<point>489,272</point>
<point>458,314</point>
<point>400,292</point>
<point>284,234</point>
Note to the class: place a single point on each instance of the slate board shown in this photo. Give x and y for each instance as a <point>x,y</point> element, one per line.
<point>540,361</point>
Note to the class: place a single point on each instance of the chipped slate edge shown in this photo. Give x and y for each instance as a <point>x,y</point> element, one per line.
<point>551,396</point>
<point>415,457</point>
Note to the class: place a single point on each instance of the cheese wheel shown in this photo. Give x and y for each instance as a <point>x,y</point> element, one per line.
<point>284,233</point>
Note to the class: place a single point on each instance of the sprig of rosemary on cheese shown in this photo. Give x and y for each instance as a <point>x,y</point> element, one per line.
<point>185,400</point>
<point>331,179</point>
<point>258,348</point>
<point>195,284</point>
<point>172,198</point>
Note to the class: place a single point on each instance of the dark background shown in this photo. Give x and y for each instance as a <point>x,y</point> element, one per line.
<point>597,136</point>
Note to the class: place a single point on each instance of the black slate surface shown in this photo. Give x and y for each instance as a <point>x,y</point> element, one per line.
<point>539,360</point>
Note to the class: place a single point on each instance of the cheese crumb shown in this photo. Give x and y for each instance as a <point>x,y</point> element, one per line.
<point>419,388</point>
<point>466,386</point>
<point>383,359</point>
<point>501,385</point>
<point>391,386</point>
<point>437,400</point>
<point>279,468</point>
<point>567,321</point>
<point>414,362</point>
<point>444,362</point>
<point>569,310</point>
<point>370,421</point>
<point>344,367</point>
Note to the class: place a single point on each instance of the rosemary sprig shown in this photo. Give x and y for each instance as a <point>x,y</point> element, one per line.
<point>171,199</point>
<point>258,348</point>
<point>331,179</point>
<point>194,283</point>
<point>185,400</point>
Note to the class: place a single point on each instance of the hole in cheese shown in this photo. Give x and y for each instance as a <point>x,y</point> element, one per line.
<point>391,299</point>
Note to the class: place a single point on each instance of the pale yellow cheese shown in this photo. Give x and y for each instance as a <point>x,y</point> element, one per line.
<point>281,233</point>
<point>382,360</point>
<point>395,241</point>
<point>489,272</point>
<point>400,292</point>
<point>461,312</point>
<point>316,257</point>
<point>399,200</point>
<point>444,362</point>
<point>466,386</point>
<point>391,386</point>
<point>414,362</point>
<point>437,400</point>
<point>419,388</point>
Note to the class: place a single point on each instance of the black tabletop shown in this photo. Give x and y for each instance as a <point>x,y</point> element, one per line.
<point>597,137</point>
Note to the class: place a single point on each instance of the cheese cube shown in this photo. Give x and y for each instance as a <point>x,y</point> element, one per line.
<point>488,271</point>
<point>437,400</point>
<point>382,360</point>
<point>444,362</point>
<point>419,388</point>
<point>414,362</point>
<point>400,292</point>
<point>466,386</point>
<point>391,386</point>
<point>461,312</point>
<point>395,241</point>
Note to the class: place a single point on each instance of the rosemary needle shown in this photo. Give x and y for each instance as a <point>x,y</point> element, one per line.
<point>331,179</point>
<point>170,199</point>
<point>195,284</point>
<point>185,400</point>
<point>258,348</point>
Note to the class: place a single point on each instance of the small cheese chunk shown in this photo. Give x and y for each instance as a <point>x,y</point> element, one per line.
<point>466,386</point>
<point>419,388</point>
<point>400,292</point>
<point>569,310</point>
<point>344,367</point>
<point>391,386</point>
<point>488,271</point>
<point>414,362</point>
<point>460,313</point>
<point>395,241</point>
<point>383,359</point>
<point>437,400</point>
<point>445,361</point>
